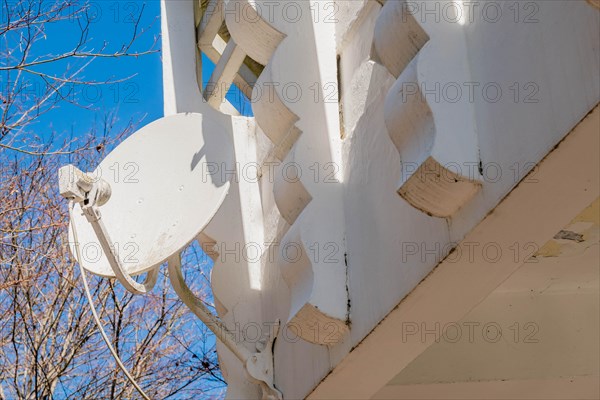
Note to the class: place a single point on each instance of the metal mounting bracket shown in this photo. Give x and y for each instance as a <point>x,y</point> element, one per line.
<point>260,368</point>
<point>259,365</point>
<point>90,193</point>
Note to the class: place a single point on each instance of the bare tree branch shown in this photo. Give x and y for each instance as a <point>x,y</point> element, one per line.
<point>49,345</point>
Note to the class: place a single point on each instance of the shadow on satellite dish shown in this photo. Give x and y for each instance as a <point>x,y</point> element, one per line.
<point>196,159</point>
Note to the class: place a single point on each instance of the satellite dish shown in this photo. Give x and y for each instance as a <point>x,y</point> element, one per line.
<point>166,183</point>
<point>146,201</point>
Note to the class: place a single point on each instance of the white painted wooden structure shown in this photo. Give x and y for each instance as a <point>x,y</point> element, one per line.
<point>384,133</point>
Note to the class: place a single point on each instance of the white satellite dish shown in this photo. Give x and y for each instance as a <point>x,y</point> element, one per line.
<point>146,201</point>
<point>163,192</point>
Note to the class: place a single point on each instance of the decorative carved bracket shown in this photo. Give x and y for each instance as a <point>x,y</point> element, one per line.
<point>436,139</point>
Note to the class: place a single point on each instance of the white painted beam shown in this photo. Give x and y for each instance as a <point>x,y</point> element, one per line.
<point>224,73</point>
<point>211,22</point>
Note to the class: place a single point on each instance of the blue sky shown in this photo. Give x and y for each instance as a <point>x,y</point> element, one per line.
<point>139,97</point>
<point>136,92</point>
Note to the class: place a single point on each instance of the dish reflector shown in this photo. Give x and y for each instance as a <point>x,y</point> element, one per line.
<point>168,180</point>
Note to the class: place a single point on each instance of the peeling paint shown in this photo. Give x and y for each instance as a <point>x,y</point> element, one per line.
<point>569,235</point>
<point>581,233</point>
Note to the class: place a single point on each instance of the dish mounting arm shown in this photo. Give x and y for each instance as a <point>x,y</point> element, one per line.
<point>259,365</point>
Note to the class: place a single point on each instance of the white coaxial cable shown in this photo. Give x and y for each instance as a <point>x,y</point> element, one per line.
<point>95,314</point>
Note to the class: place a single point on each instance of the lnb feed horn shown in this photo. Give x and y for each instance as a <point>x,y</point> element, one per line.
<point>90,194</point>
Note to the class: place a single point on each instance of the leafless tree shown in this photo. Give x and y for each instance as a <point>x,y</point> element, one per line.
<point>49,344</point>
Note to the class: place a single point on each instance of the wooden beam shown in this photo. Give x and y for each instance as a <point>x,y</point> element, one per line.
<point>223,74</point>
